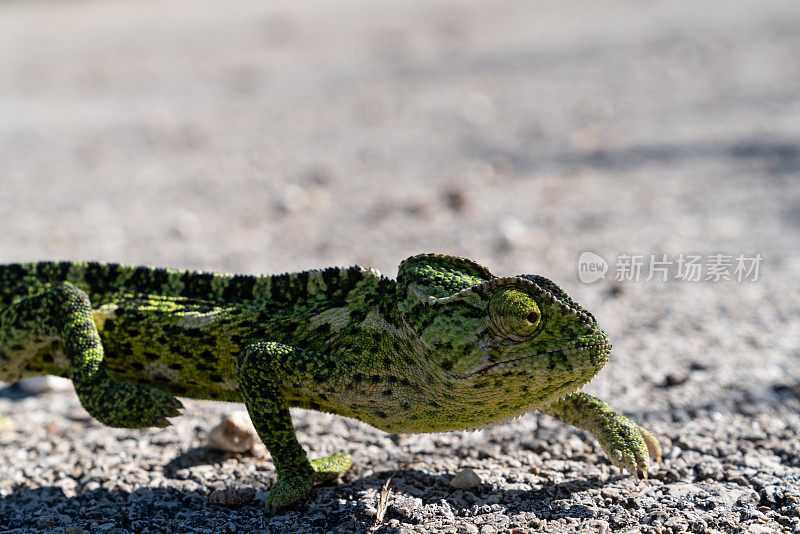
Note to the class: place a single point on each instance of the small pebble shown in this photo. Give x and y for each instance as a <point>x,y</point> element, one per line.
<point>465,479</point>
<point>233,496</point>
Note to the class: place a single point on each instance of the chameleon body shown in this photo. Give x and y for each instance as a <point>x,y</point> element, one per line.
<point>447,346</point>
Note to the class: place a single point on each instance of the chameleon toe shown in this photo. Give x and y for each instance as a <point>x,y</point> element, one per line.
<point>331,467</point>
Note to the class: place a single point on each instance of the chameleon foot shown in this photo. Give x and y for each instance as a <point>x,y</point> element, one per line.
<point>290,487</point>
<point>127,405</point>
<point>628,445</point>
<point>293,485</point>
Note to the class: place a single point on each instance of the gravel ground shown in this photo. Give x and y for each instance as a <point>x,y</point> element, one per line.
<point>278,136</point>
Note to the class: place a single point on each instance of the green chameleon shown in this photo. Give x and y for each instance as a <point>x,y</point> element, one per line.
<point>448,346</point>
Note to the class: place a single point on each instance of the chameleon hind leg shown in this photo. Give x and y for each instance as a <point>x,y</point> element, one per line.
<point>258,369</point>
<point>64,312</point>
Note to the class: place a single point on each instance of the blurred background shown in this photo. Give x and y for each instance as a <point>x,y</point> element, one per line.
<point>280,136</point>
<point>270,136</point>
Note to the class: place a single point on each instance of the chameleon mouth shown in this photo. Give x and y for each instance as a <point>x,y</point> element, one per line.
<point>595,352</point>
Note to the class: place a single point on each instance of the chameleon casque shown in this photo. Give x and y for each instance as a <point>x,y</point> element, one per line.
<point>448,346</point>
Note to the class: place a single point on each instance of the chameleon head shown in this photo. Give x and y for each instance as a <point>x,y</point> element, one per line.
<point>519,342</point>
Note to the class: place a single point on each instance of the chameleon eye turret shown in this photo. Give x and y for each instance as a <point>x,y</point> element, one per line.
<point>514,314</point>
<point>448,346</point>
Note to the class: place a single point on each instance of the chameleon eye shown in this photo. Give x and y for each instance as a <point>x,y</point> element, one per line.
<point>514,314</point>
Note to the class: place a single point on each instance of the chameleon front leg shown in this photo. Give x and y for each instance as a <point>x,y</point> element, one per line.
<point>627,444</point>
<point>64,312</point>
<point>262,370</point>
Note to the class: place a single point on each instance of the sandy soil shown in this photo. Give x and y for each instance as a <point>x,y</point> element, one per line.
<point>279,136</point>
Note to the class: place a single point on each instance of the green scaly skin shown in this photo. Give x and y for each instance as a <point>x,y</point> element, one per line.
<point>448,346</point>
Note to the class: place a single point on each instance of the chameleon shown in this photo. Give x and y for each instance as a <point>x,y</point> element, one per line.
<point>447,346</point>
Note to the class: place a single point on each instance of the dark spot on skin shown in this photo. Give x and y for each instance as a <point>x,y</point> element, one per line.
<point>45,357</point>
<point>473,313</point>
<point>358,316</point>
<point>330,277</point>
<point>178,389</point>
<point>387,393</point>
<point>183,353</point>
<point>446,346</point>
<point>289,328</point>
<point>197,285</point>
<point>447,365</point>
<point>137,366</point>
<point>151,355</point>
<point>375,379</point>
<point>323,397</point>
<point>280,290</point>
<point>387,362</point>
<point>302,280</point>
<point>176,366</point>
<point>405,405</point>
<point>240,287</point>
<point>434,404</point>
<point>382,415</point>
<point>330,364</point>
<point>324,328</point>
<point>480,385</point>
<point>391,379</point>
<point>427,321</point>
<point>213,394</point>
<point>358,377</point>
<point>16,347</point>
<point>215,378</point>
